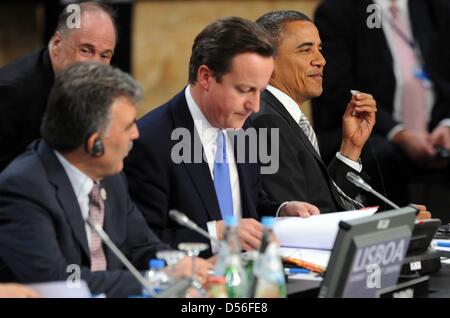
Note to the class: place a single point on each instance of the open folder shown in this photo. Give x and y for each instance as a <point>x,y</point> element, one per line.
<point>311,239</point>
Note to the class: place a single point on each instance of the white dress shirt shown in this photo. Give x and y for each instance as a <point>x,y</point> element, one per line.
<point>208,135</point>
<point>294,110</point>
<point>82,185</point>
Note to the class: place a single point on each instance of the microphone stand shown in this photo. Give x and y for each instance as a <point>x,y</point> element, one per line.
<point>360,183</point>
<point>105,238</point>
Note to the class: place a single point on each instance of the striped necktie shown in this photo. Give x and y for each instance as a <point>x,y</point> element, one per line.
<point>345,201</point>
<point>96,216</point>
<point>309,132</point>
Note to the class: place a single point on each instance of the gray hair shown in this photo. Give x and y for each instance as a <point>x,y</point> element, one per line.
<point>80,103</point>
<point>273,21</point>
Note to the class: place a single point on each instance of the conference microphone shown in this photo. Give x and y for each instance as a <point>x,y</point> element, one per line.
<point>175,290</point>
<point>105,239</point>
<point>183,220</point>
<point>360,183</point>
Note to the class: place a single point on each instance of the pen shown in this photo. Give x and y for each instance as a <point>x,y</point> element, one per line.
<point>442,244</point>
<point>312,267</point>
<point>292,271</point>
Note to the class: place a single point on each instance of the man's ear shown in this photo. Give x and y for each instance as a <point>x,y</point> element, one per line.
<point>204,77</point>
<point>55,43</point>
<point>90,141</point>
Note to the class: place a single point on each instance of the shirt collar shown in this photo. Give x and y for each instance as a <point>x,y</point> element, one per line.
<point>207,132</point>
<point>82,184</point>
<point>291,106</point>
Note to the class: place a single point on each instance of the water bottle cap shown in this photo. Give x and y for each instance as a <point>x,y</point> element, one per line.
<point>268,221</point>
<point>231,220</point>
<point>156,263</point>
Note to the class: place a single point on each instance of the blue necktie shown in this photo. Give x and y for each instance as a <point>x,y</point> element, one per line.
<point>222,182</point>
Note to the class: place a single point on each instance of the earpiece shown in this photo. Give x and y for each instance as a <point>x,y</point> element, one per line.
<point>98,149</point>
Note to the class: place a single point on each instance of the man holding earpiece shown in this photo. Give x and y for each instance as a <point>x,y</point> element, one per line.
<point>73,174</point>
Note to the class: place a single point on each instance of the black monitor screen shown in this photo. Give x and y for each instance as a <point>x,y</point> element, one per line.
<point>368,254</point>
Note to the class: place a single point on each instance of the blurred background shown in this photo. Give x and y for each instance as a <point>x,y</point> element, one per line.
<point>155,36</point>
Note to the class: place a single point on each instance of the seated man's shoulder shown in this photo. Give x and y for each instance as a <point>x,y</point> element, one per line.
<point>267,118</point>
<point>20,71</point>
<point>156,121</point>
<point>24,174</point>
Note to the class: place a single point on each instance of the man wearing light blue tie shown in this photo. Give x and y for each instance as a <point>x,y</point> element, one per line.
<point>231,63</point>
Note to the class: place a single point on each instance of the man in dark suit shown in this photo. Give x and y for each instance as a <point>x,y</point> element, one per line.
<point>231,63</point>
<point>72,174</point>
<point>372,55</point>
<point>25,84</point>
<point>297,78</point>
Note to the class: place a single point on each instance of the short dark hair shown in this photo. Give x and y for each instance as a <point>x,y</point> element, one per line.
<point>222,40</point>
<point>80,103</point>
<point>85,6</point>
<point>273,21</point>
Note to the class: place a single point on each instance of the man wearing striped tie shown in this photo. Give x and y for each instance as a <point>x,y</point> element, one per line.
<point>71,175</point>
<point>297,78</point>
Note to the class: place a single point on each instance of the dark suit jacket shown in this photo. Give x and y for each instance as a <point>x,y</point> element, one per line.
<point>42,230</point>
<point>359,58</point>
<point>158,184</point>
<point>302,174</point>
<point>24,89</point>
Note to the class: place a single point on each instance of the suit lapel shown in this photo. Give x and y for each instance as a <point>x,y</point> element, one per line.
<point>243,169</point>
<point>65,194</point>
<point>199,172</point>
<point>277,106</point>
<point>423,36</point>
<point>108,221</point>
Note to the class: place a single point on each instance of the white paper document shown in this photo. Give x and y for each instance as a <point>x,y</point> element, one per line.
<point>315,232</point>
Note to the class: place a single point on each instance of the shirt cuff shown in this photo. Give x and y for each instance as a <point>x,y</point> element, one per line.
<point>279,208</point>
<point>355,165</point>
<point>212,232</point>
<point>394,131</point>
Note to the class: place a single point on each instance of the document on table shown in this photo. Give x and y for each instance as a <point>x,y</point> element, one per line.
<point>315,232</point>
<point>314,256</point>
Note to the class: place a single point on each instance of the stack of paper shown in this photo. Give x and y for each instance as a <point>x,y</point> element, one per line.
<point>311,239</point>
<point>316,232</point>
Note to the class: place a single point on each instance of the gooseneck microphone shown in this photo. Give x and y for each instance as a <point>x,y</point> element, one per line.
<point>105,239</point>
<point>175,290</point>
<point>183,220</point>
<point>360,183</point>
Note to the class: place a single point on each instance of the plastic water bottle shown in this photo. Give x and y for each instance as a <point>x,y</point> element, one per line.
<point>234,272</point>
<point>268,268</point>
<point>156,277</point>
